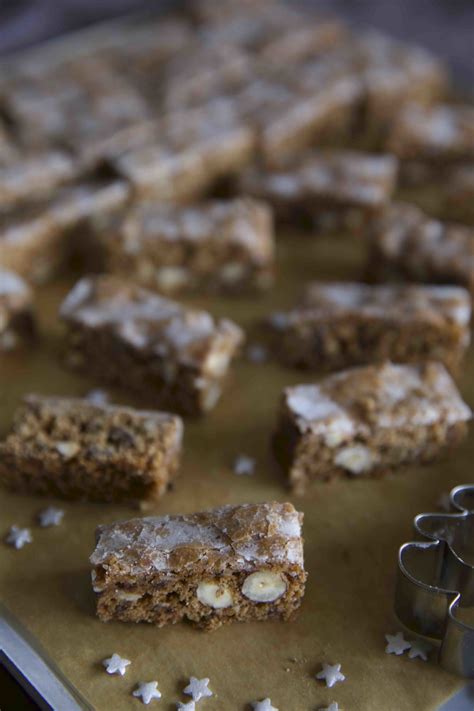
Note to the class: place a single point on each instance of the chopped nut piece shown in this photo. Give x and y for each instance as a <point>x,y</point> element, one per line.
<point>264,586</point>
<point>68,450</point>
<point>214,594</point>
<point>357,459</point>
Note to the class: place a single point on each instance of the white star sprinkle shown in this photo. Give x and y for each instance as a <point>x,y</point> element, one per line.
<point>50,517</point>
<point>420,648</point>
<point>98,397</point>
<point>332,707</point>
<point>116,664</point>
<point>397,644</point>
<point>197,688</point>
<point>257,354</point>
<point>243,465</point>
<point>278,320</point>
<point>265,705</point>
<point>147,691</point>
<point>331,674</point>
<point>187,706</point>
<point>444,502</point>
<point>18,537</point>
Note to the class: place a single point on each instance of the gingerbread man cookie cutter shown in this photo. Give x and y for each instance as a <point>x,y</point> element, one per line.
<point>434,594</point>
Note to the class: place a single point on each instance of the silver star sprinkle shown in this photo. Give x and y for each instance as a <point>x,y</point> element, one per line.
<point>278,320</point>
<point>243,465</point>
<point>198,688</point>
<point>331,674</point>
<point>50,517</point>
<point>116,664</point>
<point>420,648</point>
<point>18,537</point>
<point>187,706</point>
<point>98,397</point>
<point>397,644</point>
<point>265,705</point>
<point>332,707</point>
<point>147,691</point>
<point>257,353</point>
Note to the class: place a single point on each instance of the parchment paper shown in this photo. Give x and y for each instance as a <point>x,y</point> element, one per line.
<point>352,532</point>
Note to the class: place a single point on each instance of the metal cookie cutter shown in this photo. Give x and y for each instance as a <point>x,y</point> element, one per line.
<point>435,584</point>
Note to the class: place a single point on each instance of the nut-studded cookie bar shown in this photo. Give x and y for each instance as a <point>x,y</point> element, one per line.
<point>174,357</point>
<point>31,243</point>
<point>290,118</point>
<point>34,177</point>
<point>36,239</point>
<point>342,324</point>
<point>207,72</point>
<point>331,188</point>
<point>192,150</point>
<point>75,449</point>
<point>394,74</point>
<point>434,135</point>
<point>406,242</point>
<point>365,421</point>
<point>232,564</point>
<point>16,311</point>
<point>217,246</point>
<point>69,102</point>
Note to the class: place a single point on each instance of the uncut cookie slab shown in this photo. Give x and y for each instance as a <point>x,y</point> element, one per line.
<point>175,357</point>
<point>16,311</point>
<point>331,189</point>
<point>216,246</point>
<point>340,324</point>
<point>232,564</point>
<point>72,448</point>
<point>368,420</point>
<point>406,243</point>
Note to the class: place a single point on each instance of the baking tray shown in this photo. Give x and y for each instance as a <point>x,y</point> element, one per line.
<point>353,528</point>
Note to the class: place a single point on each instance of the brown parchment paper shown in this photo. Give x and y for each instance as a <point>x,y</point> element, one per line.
<point>352,532</point>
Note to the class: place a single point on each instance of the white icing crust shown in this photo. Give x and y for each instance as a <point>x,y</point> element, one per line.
<point>341,177</point>
<point>359,401</point>
<point>184,139</point>
<point>434,131</point>
<point>35,176</point>
<point>147,321</point>
<point>12,285</point>
<point>242,221</point>
<point>241,537</point>
<point>433,304</point>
